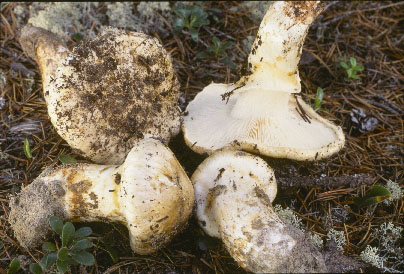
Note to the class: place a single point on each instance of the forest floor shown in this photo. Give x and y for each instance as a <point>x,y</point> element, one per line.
<point>370,32</point>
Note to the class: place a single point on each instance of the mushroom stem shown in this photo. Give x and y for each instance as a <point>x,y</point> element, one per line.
<point>263,112</point>
<point>150,193</point>
<point>45,48</point>
<point>276,50</point>
<point>234,193</point>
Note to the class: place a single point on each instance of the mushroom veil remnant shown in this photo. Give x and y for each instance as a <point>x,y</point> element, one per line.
<point>150,193</point>
<point>234,191</point>
<point>263,112</point>
<point>108,92</point>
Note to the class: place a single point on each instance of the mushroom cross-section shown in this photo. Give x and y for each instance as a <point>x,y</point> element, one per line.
<point>108,92</point>
<point>150,193</point>
<point>263,112</point>
<point>234,191</point>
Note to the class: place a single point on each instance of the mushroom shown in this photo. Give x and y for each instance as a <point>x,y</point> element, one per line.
<point>263,112</point>
<point>108,92</point>
<point>234,191</point>
<point>150,193</point>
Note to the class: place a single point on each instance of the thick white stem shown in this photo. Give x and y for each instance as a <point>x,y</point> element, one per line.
<point>276,50</point>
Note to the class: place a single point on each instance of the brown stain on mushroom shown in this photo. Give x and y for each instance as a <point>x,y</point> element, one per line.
<point>212,194</point>
<point>79,206</point>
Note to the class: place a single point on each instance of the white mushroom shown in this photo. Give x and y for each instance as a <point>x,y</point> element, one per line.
<point>108,92</point>
<point>263,112</point>
<point>149,193</point>
<point>234,193</point>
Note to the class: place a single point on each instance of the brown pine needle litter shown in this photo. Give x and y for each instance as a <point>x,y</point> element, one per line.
<point>371,32</point>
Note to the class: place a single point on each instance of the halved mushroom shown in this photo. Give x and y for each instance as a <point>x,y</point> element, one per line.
<point>108,92</point>
<point>150,193</point>
<point>263,111</point>
<point>234,191</point>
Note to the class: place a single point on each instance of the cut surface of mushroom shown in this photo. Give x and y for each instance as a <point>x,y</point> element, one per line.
<point>263,112</point>
<point>234,192</point>
<point>108,92</point>
<point>150,193</point>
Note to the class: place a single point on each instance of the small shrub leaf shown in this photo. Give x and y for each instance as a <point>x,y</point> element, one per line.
<point>375,195</point>
<point>14,266</point>
<point>83,257</point>
<point>48,247</point>
<point>83,232</point>
<point>61,266</point>
<point>27,149</point>
<point>48,260</point>
<point>82,244</point>
<point>319,98</point>
<point>56,224</point>
<point>35,268</point>
<point>67,233</point>
<point>67,159</point>
<point>63,254</point>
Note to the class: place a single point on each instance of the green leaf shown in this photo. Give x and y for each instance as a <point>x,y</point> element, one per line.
<point>182,11</point>
<point>344,65</point>
<point>319,98</point>
<point>194,34</point>
<point>27,149</point>
<point>84,258</point>
<point>83,232</point>
<point>201,55</point>
<point>67,159</point>
<point>14,266</point>
<point>353,61</point>
<point>375,195</point>
<point>216,43</point>
<point>179,24</point>
<point>48,247</point>
<point>35,268</point>
<point>82,244</point>
<point>61,266</point>
<point>56,224</point>
<point>67,233</point>
<point>359,68</point>
<point>63,254</point>
<point>1,244</point>
<point>227,44</point>
<point>48,260</point>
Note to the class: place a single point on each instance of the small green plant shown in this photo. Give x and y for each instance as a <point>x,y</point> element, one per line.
<point>71,252</point>
<point>67,159</point>
<point>27,149</point>
<point>352,68</point>
<point>218,51</point>
<point>190,18</point>
<point>376,194</point>
<point>14,266</point>
<point>319,99</point>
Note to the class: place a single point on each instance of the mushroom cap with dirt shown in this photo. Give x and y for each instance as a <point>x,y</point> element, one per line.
<point>263,112</point>
<point>108,92</point>
<point>234,191</point>
<point>150,193</point>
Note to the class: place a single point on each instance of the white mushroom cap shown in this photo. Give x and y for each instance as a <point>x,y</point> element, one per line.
<point>150,193</point>
<point>233,192</point>
<point>110,91</point>
<point>261,112</point>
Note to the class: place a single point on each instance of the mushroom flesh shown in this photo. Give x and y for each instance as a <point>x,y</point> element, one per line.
<point>150,193</point>
<point>234,191</point>
<point>263,112</point>
<point>108,92</point>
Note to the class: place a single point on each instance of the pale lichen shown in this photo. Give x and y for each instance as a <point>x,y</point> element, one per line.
<point>338,237</point>
<point>395,190</point>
